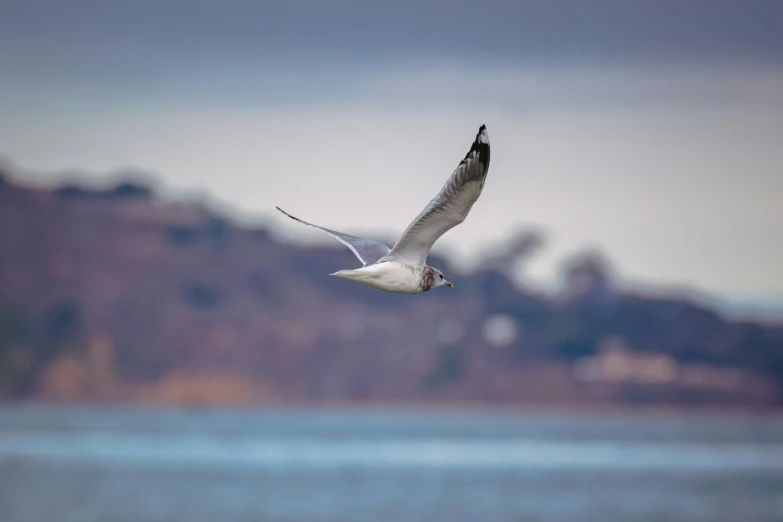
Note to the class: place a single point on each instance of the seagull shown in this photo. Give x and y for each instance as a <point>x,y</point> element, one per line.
<point>403,268</point>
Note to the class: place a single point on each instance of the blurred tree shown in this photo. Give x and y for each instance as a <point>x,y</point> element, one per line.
<point>129,190</point>
<point>26,349</point>
<point>201,294</point>
<point>182,235</point>
<point>587,276</point>
<point>60,325</point>
<point>218,229</point>
<point>15,357</point>
<point>508,260</point>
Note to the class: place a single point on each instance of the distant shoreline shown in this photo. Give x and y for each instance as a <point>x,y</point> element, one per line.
<point>537,408</point>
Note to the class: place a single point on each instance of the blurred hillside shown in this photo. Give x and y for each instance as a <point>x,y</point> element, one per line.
<point>114,295</point>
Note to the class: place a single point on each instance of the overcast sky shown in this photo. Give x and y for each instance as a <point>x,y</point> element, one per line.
<point>652,130</point>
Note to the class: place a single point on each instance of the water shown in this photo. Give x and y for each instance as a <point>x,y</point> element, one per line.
<point>91,464</point>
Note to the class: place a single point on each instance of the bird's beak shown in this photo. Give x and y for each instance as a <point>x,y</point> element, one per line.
<point>448,284</point>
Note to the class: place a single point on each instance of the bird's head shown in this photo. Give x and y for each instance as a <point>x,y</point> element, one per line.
<point>440,280</point>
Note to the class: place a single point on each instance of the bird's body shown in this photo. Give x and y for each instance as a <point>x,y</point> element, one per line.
<point>403,267</point>
<point>393,276</point>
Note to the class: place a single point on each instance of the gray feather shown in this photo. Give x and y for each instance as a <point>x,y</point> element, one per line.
<point>449,208</point>
<point>368,251</point>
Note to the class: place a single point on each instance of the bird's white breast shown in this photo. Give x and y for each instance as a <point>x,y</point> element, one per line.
<point>390,276</point>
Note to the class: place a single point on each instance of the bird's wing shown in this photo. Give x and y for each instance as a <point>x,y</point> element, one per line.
<point>449,208</point>
<point>368,251</point>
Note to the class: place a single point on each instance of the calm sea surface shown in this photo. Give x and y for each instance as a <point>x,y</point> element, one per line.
<point>79,464</point>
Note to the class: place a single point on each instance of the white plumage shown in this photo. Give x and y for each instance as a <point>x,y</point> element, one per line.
<point>403,268</point>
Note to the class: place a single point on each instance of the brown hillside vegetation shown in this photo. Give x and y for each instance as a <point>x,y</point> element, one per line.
<point>116,296</point>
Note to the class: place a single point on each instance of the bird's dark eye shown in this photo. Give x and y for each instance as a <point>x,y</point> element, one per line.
<point>441,276</point>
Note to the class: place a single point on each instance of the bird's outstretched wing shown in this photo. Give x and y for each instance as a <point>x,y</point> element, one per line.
<point>449,208</point>
<point>368,251</point>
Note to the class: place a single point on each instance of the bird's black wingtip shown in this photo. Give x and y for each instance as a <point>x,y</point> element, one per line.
<point>480,146</point>
<point>482,137</point>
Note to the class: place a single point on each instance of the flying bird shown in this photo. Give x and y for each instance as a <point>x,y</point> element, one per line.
<point>403,268</point>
